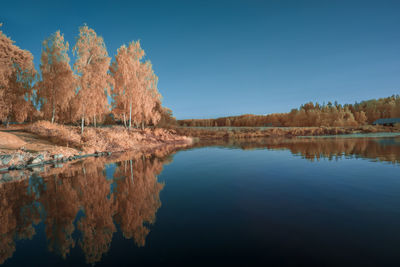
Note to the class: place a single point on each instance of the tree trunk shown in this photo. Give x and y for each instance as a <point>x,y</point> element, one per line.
<point>142,125</point>
<point>125,120</point>
<point>94,120</point>
<point>130,115</point>
<point>82,124</point>
<point>130,161</point>
<point>53,113</point>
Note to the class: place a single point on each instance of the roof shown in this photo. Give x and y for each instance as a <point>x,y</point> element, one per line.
<point>387,121</point>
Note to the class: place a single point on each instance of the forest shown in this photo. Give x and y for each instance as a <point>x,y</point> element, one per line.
<point>312,115</point>
<point>93,90</point>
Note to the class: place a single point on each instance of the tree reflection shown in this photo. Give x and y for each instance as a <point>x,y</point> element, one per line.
<point>314,149</point>
<point>18,212</point>
<point>96,226</point>
<point>80,205</point>
<point>61,203</point>
<point>137,196</point>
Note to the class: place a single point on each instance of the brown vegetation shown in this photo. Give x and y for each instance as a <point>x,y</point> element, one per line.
<point>80,95</point>
<point>46,143</point>
<point>135,87</point>
<point>310,114</point>
<point>56,88</point>
<point>254,132</point>
<point>111,139</point>
<point>17,72</point>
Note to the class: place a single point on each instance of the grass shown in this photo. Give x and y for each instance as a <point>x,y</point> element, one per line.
<point>113,139</point>
<point>256,132</point>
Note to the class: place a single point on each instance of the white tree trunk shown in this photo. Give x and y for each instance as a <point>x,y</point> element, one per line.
<point>53,114</point>
<point>124,120</point>
<point>94,120</point>
<point>130,115</point>
<point>82,123</point>
<point>130,161</point>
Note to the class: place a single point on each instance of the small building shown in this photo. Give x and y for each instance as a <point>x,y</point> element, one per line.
<point>386,122</point>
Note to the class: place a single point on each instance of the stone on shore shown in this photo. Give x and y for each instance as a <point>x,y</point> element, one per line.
<point>39,158</point>
<point>5,159</point>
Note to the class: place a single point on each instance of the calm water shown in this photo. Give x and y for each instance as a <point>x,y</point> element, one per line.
<point>325,202</point>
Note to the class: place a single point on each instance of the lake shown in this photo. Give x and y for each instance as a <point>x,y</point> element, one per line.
<point>300,201</point>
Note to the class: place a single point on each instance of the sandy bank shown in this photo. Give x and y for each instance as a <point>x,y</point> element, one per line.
<point>10,141</point>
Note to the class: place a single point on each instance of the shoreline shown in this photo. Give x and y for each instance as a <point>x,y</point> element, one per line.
<point>59,159</point>
<point>43,143</point>
<point>62,144</point>
<point>62,166</point>
<point>209,133</point>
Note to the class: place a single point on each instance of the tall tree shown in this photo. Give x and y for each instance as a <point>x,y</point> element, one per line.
<point>125,71</point>
<point>92,66</point>
<point>17,74</point>
<point>149,95</point>
<point>135,90</point>
<point>57,86</point>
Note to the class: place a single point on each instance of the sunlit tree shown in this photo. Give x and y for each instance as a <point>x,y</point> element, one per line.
<point>57,86</point>
<point>126,71</point>
<point>92,66</point>
<point>135,86</point>
<point>17,74</point>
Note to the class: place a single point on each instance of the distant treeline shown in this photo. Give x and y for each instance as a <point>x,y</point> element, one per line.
<point>311,114</point>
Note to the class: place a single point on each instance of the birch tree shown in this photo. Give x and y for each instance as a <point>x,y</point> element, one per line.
<point>125,71</point>
<point>57,86</point>
<point>17,74</point>
<point>92,66</point>
<point>149,96</point>
<point>135,92</point>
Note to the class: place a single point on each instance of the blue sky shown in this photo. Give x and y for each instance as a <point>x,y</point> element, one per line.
<point>218,58</point>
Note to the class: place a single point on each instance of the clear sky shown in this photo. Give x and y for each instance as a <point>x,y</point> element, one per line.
<point>218,58</point>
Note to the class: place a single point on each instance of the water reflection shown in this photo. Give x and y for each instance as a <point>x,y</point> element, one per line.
<point>313,149</point>
<point>82,204</point>
<point>79,201</point>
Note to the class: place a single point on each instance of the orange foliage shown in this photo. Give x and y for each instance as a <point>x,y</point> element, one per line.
<point>57,86</point>
<point>92,65</point>
<point>311,114</point>
<point>17,74</point>
<point>135,87</point>
<point>254,132</point>
<point>111,139</point>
